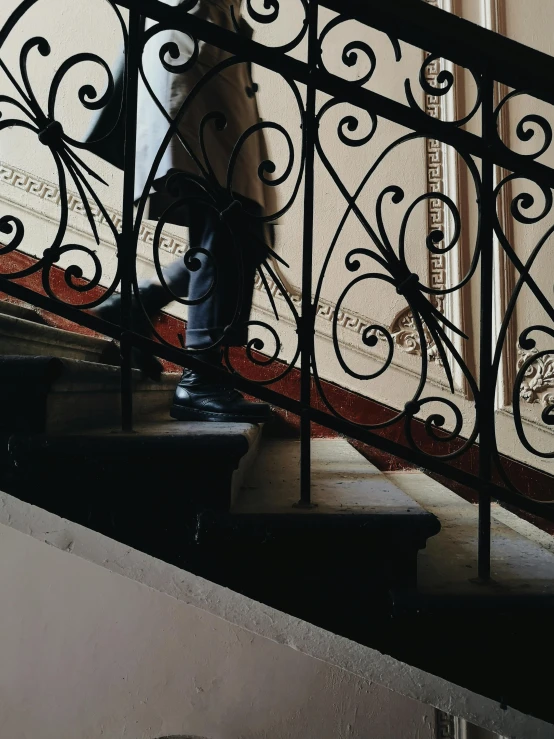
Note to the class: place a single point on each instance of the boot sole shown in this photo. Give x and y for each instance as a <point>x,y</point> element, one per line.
<point>192,414</point>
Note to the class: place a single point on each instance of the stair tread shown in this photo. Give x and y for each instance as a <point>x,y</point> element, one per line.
<point>18,310</point>
<point>522,561</point>
<point>137,485</point>
<point>66,372</point>
<point>82,372</point>
<point>153,434</point>
<point>361,540</point>
<point>21,326</point>
<point>54,394</point>
<point>345,486</point>
<point>22,332</point>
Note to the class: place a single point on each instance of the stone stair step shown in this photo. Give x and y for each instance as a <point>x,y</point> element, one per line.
<point>22,310</point>
<point>24,332</point>
<point>144,487</point>
<point>488,636</point>
<point>348,492</point>
<point>522,557</point>
<point>51,394</point>
<point>361,539</point>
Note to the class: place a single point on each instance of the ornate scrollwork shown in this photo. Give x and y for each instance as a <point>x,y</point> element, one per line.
<point>538,380</point>
<point>207,189</point>
<point>401,229</point>
<point>271,14</point>
<point>531,127</point>
<point>429,328</point>
<point>355,53</point>
<point>50,133</point>
<point>439,84</point>
<point>530,207</point>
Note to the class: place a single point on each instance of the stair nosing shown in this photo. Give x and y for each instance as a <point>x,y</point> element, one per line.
<point>71,338</point>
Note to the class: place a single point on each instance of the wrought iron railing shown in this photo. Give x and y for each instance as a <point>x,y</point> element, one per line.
<point>501,71</point>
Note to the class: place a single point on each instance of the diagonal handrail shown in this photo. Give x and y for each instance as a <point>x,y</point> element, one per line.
<point>416,22</point>
<point>465,43</point>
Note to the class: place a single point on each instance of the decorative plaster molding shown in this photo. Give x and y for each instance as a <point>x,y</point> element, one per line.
<point>493,17</point>
<point>325,309</point>
<point>435,181</point>
<point>29,183</point>
<point>353,322</point>
<point>49,192</point>
<point>403,328</point>
<point>538,380</point>
<point>405,334</point>
<point>446,726</point>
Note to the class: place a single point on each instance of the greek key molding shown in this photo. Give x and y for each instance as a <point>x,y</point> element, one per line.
<point>435,180</point>
<point>50,193</point>
<point>326,310</point>
<point>403,328</point>
<point>494,17</point>
<point>445,726</point>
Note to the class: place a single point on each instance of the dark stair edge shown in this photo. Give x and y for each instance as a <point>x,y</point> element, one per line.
<point>405,601</point>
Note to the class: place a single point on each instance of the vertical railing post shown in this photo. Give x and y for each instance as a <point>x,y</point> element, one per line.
<point>126,244</point>
<point>308,314</point>
<point>486,379</point>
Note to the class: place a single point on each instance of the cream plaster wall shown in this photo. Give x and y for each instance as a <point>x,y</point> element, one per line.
<point>87,653</point>
<point>98,639</point>
<point>28,190</point>
<point>524,22</point>
<point>28,167</point>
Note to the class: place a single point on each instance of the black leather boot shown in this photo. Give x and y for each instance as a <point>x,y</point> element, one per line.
<point>152,298</point>
<point>200,398</point>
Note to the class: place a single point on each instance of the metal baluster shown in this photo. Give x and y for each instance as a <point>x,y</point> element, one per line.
<point>486,382</point>
<point>308,315</point>
<point>126,245</point>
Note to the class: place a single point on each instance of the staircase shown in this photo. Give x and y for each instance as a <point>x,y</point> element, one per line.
<point>222,500</point>
<point>219,501</point>
<point>209,497</point>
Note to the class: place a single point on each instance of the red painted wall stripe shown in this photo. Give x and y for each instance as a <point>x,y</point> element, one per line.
<point>531,482</point>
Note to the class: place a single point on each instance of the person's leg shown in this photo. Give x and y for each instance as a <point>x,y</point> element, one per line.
<point>216,278</point>
<point>220,290</point>
<point>214,283</point>
<point>153,298</point>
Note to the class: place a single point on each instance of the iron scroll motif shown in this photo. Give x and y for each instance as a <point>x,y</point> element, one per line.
<point>434,426</point>
<point>21,110</point>
<point>395,271</point>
